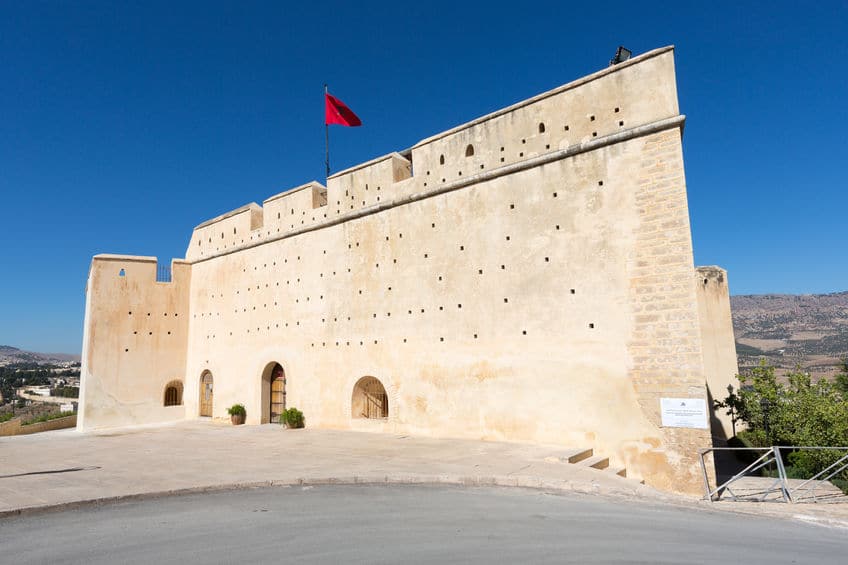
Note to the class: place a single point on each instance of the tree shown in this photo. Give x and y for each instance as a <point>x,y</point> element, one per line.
<point>796,412</point>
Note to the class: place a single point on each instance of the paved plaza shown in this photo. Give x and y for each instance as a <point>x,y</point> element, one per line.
<point>65,468</point>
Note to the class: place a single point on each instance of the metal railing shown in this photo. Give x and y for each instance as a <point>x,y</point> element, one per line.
<point>163,273</point>
<point>765,479</point>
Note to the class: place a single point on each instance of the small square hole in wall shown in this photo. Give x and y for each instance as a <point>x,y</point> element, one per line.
<point>592,118</point>
<point>462,248</point>
<point>547,146</point>
<point>521,154</point>
<point>594,134</point>
<point>479,271</point>
<point>507,238</point>
<point>502,159</point>
<point>616,109</point>
<point>600,183</point>
<point>555,194</point>
<point>621,123</point>
<point>591,326</point>
<point>475,336</point>
<point>426,255</point>
<point>503,267</point>
<point>523,141</point>
<point>506,300</point>
<point>523,332</point>
<point>441,308</point>
<point>547,259</point>
<point>502,149</point>
<point>573,291</point>
<point>566,128</point>
<point>512,206</point>
<point>481,166</point>
<point>441,339</point>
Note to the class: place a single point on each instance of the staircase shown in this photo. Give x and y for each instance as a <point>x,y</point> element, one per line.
<point>587,458</point>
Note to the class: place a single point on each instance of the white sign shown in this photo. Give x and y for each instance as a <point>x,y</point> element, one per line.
<point>684,412</point>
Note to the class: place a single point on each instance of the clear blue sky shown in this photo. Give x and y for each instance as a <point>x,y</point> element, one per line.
<point>125,124</point>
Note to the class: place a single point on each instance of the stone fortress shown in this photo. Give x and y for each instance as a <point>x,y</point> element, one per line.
<point>526,276</point>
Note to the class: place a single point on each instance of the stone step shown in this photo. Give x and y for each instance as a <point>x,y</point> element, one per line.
<point>596,462</point>
<point>620,471</point>
<point>577,455</point>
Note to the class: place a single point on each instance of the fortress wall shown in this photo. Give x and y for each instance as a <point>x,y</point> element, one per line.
<point>366,185</point>
<point>719,344</point>
<point>538,290</point>
<point>294,208</point>
<point>226,232</point>
<point>620,98</point>
<point>502,310</point>
<point>607,102</point>
<point>665,346</point>
<point>135,338</point>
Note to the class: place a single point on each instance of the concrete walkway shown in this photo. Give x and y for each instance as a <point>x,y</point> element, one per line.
<point>65,468</point>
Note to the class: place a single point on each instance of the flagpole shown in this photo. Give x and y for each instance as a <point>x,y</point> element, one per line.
<point>326,135</point>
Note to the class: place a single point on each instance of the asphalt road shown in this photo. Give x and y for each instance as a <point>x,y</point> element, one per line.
<point>408,524</point>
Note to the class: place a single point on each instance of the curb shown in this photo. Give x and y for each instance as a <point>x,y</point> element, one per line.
<point>535,483</point>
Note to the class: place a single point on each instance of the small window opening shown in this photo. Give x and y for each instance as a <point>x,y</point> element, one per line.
<point>441,159</point>
<point>469,151</point>
<point>541,127</point>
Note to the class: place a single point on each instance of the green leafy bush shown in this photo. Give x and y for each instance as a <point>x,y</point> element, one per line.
<point>793,411</point>
<point>6,417</point>
<point>293,418</point>
<point>237,410</point>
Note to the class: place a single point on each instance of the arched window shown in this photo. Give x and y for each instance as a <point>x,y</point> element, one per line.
<point>541,127</point>
<point>369,399</point>
<point>174,393</point>
<point>441,159</point>
<point>469,151</point>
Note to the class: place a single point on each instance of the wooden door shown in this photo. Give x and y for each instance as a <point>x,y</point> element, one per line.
<point>206,394</point>
<point>278,397</point>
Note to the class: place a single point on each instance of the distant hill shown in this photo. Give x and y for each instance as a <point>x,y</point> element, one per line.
<point>810,330</point>
<point>10,355</point>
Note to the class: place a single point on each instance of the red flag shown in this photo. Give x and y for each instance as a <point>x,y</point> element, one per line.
<point>336,112</point>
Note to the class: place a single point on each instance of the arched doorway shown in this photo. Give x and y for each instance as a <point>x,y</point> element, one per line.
<point>206,394</point>
<point>174,393</point>
<point>273,392</point>
<point>278,392</point>
<point>369,399</point>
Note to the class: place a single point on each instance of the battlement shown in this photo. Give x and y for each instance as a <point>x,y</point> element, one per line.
<point>623,98</point>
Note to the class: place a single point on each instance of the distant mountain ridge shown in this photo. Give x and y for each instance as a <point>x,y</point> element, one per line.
<point>10,355</point>
<point>788,330</point>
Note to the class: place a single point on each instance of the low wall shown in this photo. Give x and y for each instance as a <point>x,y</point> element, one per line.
<point>14,427</point>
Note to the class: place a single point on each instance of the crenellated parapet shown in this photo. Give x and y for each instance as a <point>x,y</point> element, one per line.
<point>619,101</point>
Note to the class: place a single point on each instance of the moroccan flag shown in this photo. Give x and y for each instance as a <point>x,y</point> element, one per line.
<point>337,112</point>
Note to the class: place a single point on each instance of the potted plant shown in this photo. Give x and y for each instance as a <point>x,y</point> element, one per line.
<point>292,418</point>
<point>237,414</point>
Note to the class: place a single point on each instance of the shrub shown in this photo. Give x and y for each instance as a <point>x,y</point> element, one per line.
<point>237,410</point>
<point>47,418</point>
<point>293,418</point>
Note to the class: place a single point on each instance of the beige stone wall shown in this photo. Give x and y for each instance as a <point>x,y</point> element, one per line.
<point>720,361</point>
<point>14,427</point>
<point>535,288</point>
<point>134,341</point>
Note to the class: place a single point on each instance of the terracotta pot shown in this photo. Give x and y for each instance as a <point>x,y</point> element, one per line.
<point>237,419</point>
